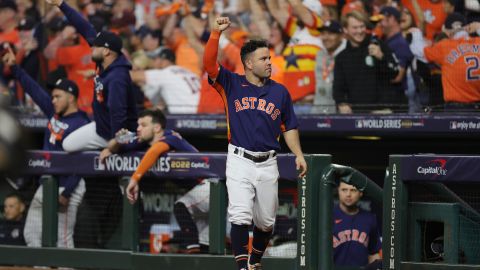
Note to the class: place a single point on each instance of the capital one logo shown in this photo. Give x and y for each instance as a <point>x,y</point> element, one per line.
<point>433,167</point>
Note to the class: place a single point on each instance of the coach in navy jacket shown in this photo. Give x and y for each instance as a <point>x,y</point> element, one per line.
<point>114,103</point>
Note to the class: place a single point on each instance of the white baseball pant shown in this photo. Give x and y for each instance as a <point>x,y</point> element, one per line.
<point>252,189</point>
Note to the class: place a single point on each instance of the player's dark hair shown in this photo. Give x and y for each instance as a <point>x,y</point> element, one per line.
<point>157,116</point>
<point>251,46</point>
<point>17,196</point>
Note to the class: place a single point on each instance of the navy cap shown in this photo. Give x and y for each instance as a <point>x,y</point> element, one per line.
<point>455,21</point>
<point>331,26</point>
<point>108,40</point>
<point>67,86</point>
<point>26,24</point>
<point>8,4</point>
<point>57,24</point>
<point>391,11</point>
<point>162,52</point>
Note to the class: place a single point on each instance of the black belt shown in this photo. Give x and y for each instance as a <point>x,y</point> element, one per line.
<point>252,157</point>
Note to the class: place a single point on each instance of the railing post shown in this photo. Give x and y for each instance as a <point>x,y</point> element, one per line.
<point>129,219</point>
<point>49,211</point>
<point>394,216</point>
<point>217,217</point>
<point>307,247</point>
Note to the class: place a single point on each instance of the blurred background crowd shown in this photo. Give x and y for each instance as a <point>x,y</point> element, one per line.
<point>314,49</point>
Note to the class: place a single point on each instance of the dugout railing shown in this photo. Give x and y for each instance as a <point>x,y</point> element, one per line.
<point>86,164</point>
<point>432,207</point>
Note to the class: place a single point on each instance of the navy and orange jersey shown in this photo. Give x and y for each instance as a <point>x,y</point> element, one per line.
<point>255,115</point>
<point>58,127</point>
<point>355,237</point>
<point>171,141</point>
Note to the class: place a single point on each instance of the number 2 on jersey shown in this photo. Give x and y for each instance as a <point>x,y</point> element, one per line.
<point>473,66</point>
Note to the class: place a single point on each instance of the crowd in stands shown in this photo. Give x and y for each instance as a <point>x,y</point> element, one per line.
<point>334,56</point>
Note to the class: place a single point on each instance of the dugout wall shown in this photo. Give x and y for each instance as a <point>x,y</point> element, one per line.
<point>432,206</point>
<point>86,164</point>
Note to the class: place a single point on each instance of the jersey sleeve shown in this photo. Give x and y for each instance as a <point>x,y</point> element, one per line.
<point>224,80</point>
<point>289,119</point>
<point>149,159</point>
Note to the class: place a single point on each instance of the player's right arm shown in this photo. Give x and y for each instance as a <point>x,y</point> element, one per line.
<point>211,48</point>
<point>39,96</point>
<point>147,162</point>
<point>83,26</point>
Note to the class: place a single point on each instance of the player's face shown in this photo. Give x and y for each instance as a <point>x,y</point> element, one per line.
<point>145,129</point>
<point>406,21</point>
<point>13,209</point>
<point>61,101</point>
<point>97,54</point>
<point>355,30</point>
<point>261,64</point>
<point>330,40</point>
<point>348,195</point>
<point>387,24</point>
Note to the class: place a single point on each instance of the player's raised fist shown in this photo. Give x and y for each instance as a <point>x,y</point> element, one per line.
<point>221,23</point>
<point>54,2</point>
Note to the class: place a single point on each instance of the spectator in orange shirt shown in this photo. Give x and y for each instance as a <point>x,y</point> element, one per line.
<point>458,57</point>
<point>8,23</point>
<point>72,51</point>
<point>429,15</point>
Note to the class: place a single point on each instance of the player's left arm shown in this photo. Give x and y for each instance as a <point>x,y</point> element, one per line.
<point>146,163</point>
<point>293,142</point>
<point>117,102</point>
<point>289,127</point>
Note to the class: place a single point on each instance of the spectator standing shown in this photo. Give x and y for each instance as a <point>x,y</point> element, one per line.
<point>334,43</point>
<point>394,39</point>
<point>177,86</point>
<point>459,60</point>
<point>362,71</point>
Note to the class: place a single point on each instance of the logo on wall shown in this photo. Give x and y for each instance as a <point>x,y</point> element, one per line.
<point>433,167</point>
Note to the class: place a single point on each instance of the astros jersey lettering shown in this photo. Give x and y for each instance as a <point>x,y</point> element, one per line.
<point>355,237</point>
<point>255,115</point>
<point>460,63</point>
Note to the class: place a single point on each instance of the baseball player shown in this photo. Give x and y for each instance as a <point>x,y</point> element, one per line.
<point>458,57</point>
<point>356,239</point>
<point>258,110</point>
<point>65,117</point>
<point>191,210</point>
<point>114,103</point>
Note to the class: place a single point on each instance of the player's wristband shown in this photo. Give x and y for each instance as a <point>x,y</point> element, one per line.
<point>215,34</point>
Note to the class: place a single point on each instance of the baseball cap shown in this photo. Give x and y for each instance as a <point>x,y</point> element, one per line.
<point>313,5</point>
<point>331,26</point>
<point>108,40</point>
<point>391,11</point>
<point>67,86</point>
<point>26,24</point>
<point>162,52</point>
<point>8,4</point>
<point>455,21</point>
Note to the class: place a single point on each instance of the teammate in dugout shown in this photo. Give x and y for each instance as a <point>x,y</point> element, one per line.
<point>258,110</point>
<point>65,117</point>
<point>191,210</point>
<point>114,103</point>
<point>356,238</point>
